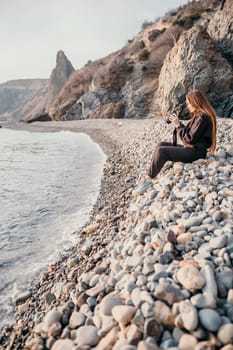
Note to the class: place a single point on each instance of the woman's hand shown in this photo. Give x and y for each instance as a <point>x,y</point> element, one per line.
<point>174,119</point>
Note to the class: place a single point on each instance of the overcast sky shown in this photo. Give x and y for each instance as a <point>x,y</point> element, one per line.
<point>32,31</point>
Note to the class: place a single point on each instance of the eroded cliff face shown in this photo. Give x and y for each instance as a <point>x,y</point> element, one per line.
<point>197,63</point>
<point>189,48</point>
<point>120,85</point>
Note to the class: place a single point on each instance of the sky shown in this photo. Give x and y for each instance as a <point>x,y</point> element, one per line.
<point>33,31</point>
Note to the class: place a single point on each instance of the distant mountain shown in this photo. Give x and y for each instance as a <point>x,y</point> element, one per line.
<point>29,99</point>
<point>16,93</point>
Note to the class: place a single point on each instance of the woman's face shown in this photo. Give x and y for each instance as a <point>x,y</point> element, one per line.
<point>190,106</point>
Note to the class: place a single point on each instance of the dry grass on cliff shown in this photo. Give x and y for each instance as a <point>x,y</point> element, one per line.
<point>114,73</point>
<point>146,51</point>
<point>159,48</point>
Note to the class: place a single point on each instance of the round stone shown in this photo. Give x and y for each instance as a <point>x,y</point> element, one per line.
<point>51,317</point>
<point>225,334</point>
<point>55,329</point>
<point>210,319</point>
<point>217,216</point>
<point>205,300</point>
<point>193,221</point>
<point>123,313</point>
<point>136,296</point>
<point>49,297</point>
<point>168,293</point>
<point>153,328</point>
<point>134,261</point>
<point>187,342</point>
<point>218,242</point>
<point>166,258</point>
<point>147,310</point>
<point>188,315</point>
<point>184,237</point>
<point>108,302</point>
<point>87,335</point>
<point>162,313</point>
<point>77,319</point>
<point>62,344</point>
<point>190,277</point>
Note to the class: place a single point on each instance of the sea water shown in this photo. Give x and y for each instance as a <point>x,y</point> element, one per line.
<point>49,183</point>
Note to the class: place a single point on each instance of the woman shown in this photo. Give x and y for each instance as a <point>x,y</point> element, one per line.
<point>198,136</point>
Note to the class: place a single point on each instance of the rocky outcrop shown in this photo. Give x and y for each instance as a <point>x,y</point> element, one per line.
<point>97,104</point>
<point>58,78</point>
<point>37,108</point>
<point>196,62</point>
<point>78,85</point>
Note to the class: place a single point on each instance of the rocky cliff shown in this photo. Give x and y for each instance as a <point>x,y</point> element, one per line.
<point>190,47</point>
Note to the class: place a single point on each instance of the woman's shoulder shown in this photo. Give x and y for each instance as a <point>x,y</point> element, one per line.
<point>202,117</point>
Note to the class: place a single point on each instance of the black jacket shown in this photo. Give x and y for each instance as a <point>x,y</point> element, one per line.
<point>197,133</point>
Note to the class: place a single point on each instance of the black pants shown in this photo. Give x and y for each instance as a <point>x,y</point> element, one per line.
<point>166,151</point>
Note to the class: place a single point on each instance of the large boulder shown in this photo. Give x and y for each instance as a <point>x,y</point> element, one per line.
<point>195,62</point>
<point>220,28</point>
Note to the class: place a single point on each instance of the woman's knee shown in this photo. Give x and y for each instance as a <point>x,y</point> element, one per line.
<point>159,154</point>
<point>157,151</point>
<point>162,143</point>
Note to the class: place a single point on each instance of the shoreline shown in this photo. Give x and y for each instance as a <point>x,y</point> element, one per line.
<point>110,148</point>
<point>146,234</point>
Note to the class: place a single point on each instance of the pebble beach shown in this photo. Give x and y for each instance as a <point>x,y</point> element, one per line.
<point>153,268</point>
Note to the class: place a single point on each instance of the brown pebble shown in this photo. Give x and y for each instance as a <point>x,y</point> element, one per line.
<point>82,299</point>
<point>133,335</point>
<point>152,328</point>
<point>55,330</point>
<point>171,237</point>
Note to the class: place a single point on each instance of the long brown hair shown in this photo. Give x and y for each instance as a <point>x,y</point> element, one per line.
<point>200,104</point>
